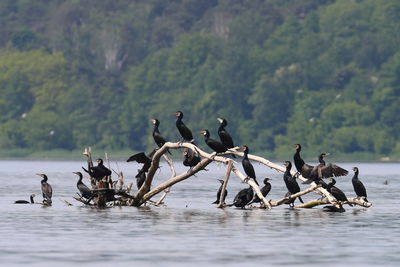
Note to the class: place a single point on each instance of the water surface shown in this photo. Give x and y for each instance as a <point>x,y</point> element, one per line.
<point>189,231</point>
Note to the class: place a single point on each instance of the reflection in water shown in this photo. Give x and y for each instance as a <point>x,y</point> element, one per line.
<point>198,233</point>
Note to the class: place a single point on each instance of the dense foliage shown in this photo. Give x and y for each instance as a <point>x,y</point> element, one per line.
<point>325,73</point>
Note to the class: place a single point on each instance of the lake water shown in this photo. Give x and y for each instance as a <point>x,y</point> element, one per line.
<point>189,231</point>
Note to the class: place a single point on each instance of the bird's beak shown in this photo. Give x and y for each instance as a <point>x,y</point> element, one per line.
<point>38,174</point>
<point>327,154</point>
<point>220,120</point>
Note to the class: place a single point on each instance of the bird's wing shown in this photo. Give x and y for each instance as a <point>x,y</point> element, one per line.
<point>306,170</point>
<point>331,170</point>
<point>139,158</point>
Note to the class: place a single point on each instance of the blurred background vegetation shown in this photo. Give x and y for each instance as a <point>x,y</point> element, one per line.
<point>325,74</point>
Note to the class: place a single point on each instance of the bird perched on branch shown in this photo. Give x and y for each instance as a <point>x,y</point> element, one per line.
<point>98,172</point>
<point>158,139</point>
<point>146,161</point>
<point>323,170</point>
<point>243,197</point>
<point>190,158</point>
<point>264,191</point>
<point>302,168</point>
<point>224,136</point>
<point>220,192</point>
<point>47,190</point>
<point>83,189</point>
<point>291,183</point>
<point>25,201</point>
<point>358,186</point>
<point>336,192</point>
<point>247,166</point>
<point>213,144</point>
<point>185,132</point>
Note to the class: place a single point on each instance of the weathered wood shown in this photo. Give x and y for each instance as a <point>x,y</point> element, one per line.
<point>173,174</point>
<point>225,184</point>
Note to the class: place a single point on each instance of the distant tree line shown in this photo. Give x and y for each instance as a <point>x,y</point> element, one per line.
<point>325,74</point>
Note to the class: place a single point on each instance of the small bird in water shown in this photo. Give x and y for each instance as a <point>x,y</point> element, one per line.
<point>247,166</point>
<point>358,186</point>
<point>26,201</point>
<point>47,190</point>
<point>264,191</point>
<point>220,192</point>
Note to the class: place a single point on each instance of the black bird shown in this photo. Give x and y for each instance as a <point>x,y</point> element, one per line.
<point>25,201</point>
<point>47,190</point>
<point>224,136</point>
<point>291,183</point>
<point>190,158</point>
<point>301,166</point>
<point>323,170</point>
<point>158,139</point>
<point>83,189</point>
<point>336,192</point>
<point>243,197</point>
<point>213,144</point>
<point>146,161</point>
<point>98,172</point>
<point>183,129</point>
<point>247,166</point>
<point>219,193</point>
<point>358,186</point>
<point>264,191</point>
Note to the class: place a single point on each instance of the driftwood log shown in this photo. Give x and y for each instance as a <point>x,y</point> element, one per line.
<point>147,191</point>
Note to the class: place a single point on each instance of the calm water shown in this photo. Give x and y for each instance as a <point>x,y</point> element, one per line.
<point>189,231</point>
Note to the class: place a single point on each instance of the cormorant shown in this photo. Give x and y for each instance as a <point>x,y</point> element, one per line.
<point>146,160</point>
<point>47,190</point>
<point>291,183</point>
<point>98,172</point>
<point>243,197</point>
<point>158,139</point>
<point>264,191</point>
<point>25,201</point>
<point>190,158</point>
<point>224,136</point>
<point>358,186</point>
<point>183,129</point>
<point>323,170</point>
<point>213,144</point>
<point>83,189</point>
<point>336,192</point>
<point>219,193</point>
<point>301,166</point>
<point>247,166</point>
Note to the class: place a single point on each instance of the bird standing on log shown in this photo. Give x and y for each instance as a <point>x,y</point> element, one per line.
<point>243,197</point>
<point>158,139</point>
<point>185,132</point>
<point>358,186</point>
<point>336,192</point>
<point>213,144</point>
<point>220,192</point>
<point>247,166</point>
<point>47,190</point>
<point>83,189</point>
<point>224,136</point>
<point>146,161</point>
<point>264,191</point>
<point>190,158</point>
<point>323,170</point>
<point>302,168</point>
<point>98,172</point>
<point>291,183</point>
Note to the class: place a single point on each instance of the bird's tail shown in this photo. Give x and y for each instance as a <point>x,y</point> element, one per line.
<point>301,200</point>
